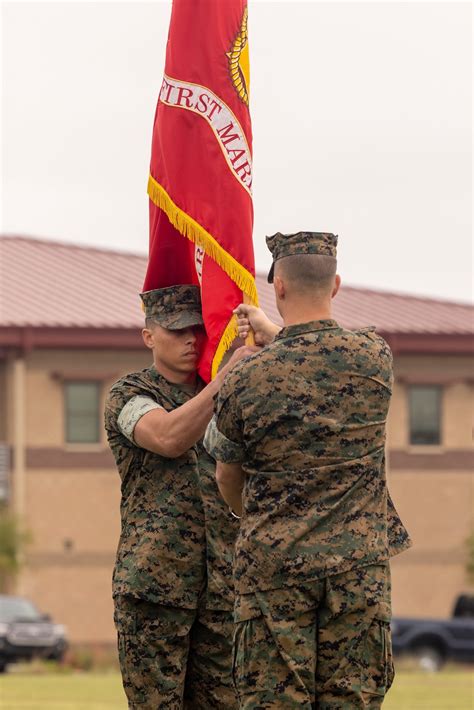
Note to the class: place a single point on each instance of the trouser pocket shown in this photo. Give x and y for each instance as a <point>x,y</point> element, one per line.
<point>377,663</point>
<point>153,644</point>
<point>251,651</point>
<point>274,657</point>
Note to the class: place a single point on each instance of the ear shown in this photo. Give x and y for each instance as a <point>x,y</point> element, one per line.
<point>148,338</point>
<point>279,286</point>
<point>337,285</point>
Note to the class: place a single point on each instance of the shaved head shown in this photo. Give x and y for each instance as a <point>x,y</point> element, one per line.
<point>307,274</point>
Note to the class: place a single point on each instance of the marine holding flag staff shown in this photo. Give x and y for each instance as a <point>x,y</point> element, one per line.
<point>172,582</point>
<point>299,437</point>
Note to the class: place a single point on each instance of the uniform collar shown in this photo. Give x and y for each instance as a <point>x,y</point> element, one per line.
<point>179,393</point>
<point>310,327</point>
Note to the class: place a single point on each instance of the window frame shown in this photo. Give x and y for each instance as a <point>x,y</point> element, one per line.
<point>66,428</point>
<point>440,389</point>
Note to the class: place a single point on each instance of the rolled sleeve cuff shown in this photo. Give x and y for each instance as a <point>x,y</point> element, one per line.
<point>132,412</point>
<point>220,447</point>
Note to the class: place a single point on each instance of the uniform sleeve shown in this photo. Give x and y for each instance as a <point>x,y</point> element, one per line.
<point>379,357</point>
<point>385,360</point>
<point>132,412</point>
<point>220,447</point>
<point>224,439</point>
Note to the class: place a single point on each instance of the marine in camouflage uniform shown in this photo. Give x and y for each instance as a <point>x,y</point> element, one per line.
<point>172,582</point>
<point>302,426</point>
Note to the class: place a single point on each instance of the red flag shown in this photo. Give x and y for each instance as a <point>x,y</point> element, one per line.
<point>200,185</point>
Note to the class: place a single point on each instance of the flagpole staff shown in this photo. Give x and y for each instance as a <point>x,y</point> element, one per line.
<point>250,339</point>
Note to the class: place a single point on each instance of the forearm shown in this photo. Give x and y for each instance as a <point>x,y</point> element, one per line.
<point>187,424</point>
<point>230,481</point>
<point>171,434</point>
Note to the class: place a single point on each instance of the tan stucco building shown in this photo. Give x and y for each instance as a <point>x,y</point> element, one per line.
<point>75,330</point>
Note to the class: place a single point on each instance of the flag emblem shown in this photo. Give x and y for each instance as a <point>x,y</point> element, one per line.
<point>239,61</point>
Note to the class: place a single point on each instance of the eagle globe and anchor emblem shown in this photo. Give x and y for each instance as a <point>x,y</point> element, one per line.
<point>239,61</point>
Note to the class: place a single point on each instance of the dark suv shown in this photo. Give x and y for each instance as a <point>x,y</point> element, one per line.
<point>435,641</point>
<point>25,633</point>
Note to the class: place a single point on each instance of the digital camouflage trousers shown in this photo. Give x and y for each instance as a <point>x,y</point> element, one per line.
<point>325,644</point>
<point>174,658</point>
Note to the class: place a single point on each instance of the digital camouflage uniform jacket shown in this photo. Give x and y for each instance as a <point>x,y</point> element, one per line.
<point>306,418</point>
<point>175,529</point>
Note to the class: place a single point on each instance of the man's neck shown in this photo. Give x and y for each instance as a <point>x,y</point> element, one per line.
<point>301,314</point>
<point>176,378</point>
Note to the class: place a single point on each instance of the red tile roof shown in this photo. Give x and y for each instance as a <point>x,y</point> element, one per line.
<point>57,285</point>
<point>52,284</point>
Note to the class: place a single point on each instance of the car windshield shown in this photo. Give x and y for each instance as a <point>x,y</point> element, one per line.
<point>12,609</point>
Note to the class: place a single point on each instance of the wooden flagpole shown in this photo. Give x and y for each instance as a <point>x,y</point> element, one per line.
<point>250,339</point>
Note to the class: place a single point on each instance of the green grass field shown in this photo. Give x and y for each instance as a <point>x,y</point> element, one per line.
<point>449,690</point>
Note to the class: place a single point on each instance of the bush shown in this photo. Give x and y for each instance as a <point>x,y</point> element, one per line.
<point>13,540</point>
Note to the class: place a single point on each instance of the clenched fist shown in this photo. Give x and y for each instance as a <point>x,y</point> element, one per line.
<point>251,317</point>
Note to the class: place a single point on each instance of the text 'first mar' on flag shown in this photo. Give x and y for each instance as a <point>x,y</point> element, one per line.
<point>200,184</point>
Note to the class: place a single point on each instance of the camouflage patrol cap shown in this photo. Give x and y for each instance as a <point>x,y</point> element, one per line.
<point>282,245</point>
<point>174,307</point>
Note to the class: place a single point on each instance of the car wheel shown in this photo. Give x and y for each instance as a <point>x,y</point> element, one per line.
<point>429,658</point>
<point>3,666</point>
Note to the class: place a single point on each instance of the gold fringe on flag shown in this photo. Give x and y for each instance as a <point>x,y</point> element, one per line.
<point>194,232</point>
<point>227,338</point>
<point>191,229</point>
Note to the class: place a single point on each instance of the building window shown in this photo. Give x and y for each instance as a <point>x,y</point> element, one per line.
<point>425,415</point>
<point>82,412</point>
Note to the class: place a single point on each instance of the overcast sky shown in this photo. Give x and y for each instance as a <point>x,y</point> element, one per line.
<point>361,119</point>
